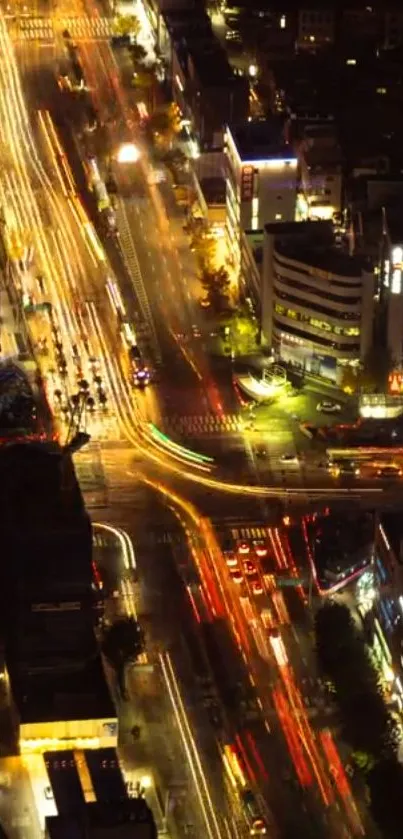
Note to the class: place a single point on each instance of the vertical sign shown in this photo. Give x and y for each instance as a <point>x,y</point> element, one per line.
<point>247,183</point>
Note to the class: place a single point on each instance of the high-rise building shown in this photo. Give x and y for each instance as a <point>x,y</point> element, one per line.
<point>48,594</point>
<point>261,179</point>
<point>317,302</point>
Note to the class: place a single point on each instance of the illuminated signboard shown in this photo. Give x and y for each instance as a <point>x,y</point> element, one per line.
<point>247,183</point>
<point>395,382</point>
<point>397,265</point>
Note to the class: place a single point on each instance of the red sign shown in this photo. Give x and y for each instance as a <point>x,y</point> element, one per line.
<point>247,183</point>
<point>396,382</point>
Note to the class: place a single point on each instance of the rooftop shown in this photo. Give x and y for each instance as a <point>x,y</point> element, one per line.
<point>37,486</point>
<point>84,695</point>
<point>183,22</point>
<point>209,59</point>
<point>261,140</point>
<point>311,243</point>
<point>132,818</point>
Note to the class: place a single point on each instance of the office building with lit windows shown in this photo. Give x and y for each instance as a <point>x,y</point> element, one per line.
<point>317,301</point>
<point>261,179</point>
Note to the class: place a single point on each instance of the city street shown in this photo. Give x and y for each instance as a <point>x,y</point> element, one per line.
<point>175,497</point>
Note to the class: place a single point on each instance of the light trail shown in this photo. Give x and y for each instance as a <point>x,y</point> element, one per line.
<point>340,778</point>
<point>191,750</point>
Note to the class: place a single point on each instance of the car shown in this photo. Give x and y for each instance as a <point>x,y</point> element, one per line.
<point>347,467</point>
<point>328,407</point>
<point>260,548</point>
<point>243,547</point>
<point>231,560</point>
<point>249,568</point>
<point>391,470</point>
<point>237,576</point>
<point>257,587</point>
<point>258,828</point>
<point>289,458</point>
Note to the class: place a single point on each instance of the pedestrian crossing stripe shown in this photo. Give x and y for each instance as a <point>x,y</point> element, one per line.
<point>204,423</point>
<point>37,28</point>
<point>248,533</point>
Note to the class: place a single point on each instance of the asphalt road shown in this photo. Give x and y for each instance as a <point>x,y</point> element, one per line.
<point>278,745</point>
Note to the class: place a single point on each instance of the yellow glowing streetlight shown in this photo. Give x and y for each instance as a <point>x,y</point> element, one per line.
<point>128,153</point>
<point>146,782</point>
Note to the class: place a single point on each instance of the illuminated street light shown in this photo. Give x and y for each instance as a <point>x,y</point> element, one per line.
<point>146,782</point>
<point>128,153</point>
<point>253,71</point>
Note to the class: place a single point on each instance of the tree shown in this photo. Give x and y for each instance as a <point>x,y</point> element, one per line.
<point>378,363</point>
<point>243,333</point>
<point>165,122</point>
<point>144,78</point>
<point>205,247</point>
<point>138,53</point>
<point>351,379</point>
<point>126,25</point>
<point>343,657</point>
<point>216,285</point>
<point>385,783</point>
<point>123,642</point>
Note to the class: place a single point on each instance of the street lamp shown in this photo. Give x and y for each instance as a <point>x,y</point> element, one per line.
<point>128,153</point>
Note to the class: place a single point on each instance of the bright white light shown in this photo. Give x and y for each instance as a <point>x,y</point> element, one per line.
<point>283,22</point>
<point>397,256</point>
<point>128,153</point>
<point>146,782</point>
<point>253,70</point>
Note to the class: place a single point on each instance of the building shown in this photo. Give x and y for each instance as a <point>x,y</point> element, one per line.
<point>316,27</point>
<point>378,232</point>
<point>320,163</point>
<point>58,712</point>
<point>317,302</point>
<point>49,595</point>
<point>204,85</point>
<point>130,819</point>
<point>261,179</point>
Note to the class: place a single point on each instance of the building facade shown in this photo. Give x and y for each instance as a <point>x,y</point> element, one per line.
<point>261,180</point>
<point>317,302</point>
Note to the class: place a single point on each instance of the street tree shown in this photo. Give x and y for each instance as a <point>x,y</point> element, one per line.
<point>126,25</point>
<point>143,78</point>
<point>165,123</point>
<point>385,783</point>
<point>205,248</point>
<point>138,54</point>
<point>216,285</point>
<point>343,658</point>
<point>244,332</point>
<point>123,643</point>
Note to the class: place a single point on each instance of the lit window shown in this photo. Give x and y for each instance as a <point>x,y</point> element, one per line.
<point>255,213</point>
<point>351,61</point>
<point>381,90</point>
<point>283,22</point>
<point>278,217</point>
<point>396,281</point>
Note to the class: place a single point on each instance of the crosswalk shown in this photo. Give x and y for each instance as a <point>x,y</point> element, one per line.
<point>45,29</point>
<point>198,425</point>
